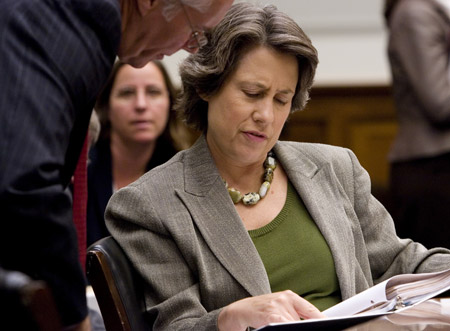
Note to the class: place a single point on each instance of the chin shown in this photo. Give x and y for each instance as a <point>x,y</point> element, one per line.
<point>145,140</point>
<point>137,62</point>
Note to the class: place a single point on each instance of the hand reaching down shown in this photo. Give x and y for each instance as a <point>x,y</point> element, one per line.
<point>279,307</point>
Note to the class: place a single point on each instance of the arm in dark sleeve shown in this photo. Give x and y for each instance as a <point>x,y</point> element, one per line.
<point>51,67</point>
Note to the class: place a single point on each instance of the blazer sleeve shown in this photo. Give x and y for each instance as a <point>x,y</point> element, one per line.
<point>388,255</point>
<point>172,290</point>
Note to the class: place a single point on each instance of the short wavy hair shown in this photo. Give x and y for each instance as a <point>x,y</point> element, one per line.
<point>244,26</point>
<point>171,8</point>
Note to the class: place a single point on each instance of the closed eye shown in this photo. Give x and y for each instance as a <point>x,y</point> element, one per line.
<point>126,92</point>
<point>253,94</point>
<point>153,91</point>
<point>282,98</point>
<point>281,102</point>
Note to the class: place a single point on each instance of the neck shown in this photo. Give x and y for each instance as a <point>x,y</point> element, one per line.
<point>253,197</point>
<point>245,178</point>
<point>124,12</point>
<point>129,160</point>
<point>242,176</point>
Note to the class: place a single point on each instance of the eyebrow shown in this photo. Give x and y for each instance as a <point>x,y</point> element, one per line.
<point>262,86</point>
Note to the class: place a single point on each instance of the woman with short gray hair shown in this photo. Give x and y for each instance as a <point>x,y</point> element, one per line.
<point>205,72</point>
<point>307,235</point>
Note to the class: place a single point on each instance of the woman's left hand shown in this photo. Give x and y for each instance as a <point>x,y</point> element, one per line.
<point>279,307</point>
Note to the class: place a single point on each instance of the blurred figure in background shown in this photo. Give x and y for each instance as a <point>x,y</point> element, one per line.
<point>418,50</point>
<point>135,110</point>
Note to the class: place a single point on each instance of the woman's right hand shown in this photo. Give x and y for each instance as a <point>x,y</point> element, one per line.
<point>279,307</point>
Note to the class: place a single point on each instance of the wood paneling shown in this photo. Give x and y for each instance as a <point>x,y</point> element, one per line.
<point>360,118</point>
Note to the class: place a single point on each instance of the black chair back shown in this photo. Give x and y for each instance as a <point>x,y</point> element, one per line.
<point>117,287</point>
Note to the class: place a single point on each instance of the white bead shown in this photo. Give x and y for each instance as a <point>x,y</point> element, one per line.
<point>264,189</point>
<point>270,163</point>
<point>251,198</point>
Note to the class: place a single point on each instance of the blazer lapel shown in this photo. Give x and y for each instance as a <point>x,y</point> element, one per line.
<point>213,212</point>
<point>319,193</point>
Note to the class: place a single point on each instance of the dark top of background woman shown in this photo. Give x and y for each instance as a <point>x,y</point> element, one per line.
<point>100,187</point>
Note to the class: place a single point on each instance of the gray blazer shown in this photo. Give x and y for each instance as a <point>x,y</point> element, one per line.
<point>419,46</point>
<point>181,231</point>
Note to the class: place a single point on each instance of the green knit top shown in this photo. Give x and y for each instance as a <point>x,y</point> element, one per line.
<point>296,256</point>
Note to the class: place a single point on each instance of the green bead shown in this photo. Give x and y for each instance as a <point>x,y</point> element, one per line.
<point>268,175</point>
<point>235,195</point>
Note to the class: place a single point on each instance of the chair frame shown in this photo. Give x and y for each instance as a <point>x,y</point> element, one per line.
<point>27,303</point>
<point>117,287</point>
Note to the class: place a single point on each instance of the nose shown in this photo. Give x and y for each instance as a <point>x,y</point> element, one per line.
<point>141,101</point>
<point>264,111</point>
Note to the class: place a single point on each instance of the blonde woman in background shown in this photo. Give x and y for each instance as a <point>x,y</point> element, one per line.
<point>135,110</point>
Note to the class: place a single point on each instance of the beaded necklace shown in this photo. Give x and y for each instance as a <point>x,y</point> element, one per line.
<point>252,198</point>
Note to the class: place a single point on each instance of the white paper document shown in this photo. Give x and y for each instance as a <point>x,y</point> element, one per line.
<point>391,296</point>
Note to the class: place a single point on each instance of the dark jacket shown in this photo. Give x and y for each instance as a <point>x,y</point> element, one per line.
<point>56,56</point>
<point>100,183</point>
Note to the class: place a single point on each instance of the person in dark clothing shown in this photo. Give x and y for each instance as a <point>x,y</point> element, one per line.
<point>135,110</point>
<point>55,58</point>
<point>418,52</point>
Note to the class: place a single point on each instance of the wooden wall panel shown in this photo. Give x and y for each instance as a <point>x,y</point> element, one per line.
<point>360,118</point>
<point>371,143</point>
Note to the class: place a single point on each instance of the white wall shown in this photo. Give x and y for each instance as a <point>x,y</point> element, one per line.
<point>349,35</point>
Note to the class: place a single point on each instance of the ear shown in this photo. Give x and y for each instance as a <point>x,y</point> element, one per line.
<point>145,6</point>
<point>203,96</point>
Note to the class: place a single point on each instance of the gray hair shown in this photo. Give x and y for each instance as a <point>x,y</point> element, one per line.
<point>171,8</point>
<point>243,27</point>
<point>94,128</point>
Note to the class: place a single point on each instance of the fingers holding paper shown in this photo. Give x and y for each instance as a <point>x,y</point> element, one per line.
<point>279,307</point>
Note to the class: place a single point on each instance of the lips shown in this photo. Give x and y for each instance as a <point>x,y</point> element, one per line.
<point>141,124</point>
<point>255,135</point>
